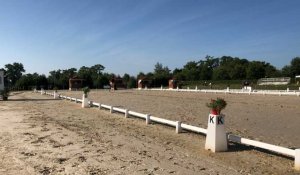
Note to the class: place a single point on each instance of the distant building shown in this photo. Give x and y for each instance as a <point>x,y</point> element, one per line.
<point>75,83</point>
<point>1,79</point>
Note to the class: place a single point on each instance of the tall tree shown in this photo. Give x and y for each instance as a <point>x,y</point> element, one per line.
<point>161,75</point>
<point>295,66</point>
<point>190,71</point>
<point>207,66</point>
<point>14,72</point>
<point>286,71</point>
<point>96,74</point>
<point>256,70</point>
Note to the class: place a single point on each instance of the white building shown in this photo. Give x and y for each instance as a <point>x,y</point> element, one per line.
<point>1,79</point>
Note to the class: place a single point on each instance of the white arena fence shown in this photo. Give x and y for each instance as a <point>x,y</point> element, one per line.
<point>293,153</point>
<point>232,91</point>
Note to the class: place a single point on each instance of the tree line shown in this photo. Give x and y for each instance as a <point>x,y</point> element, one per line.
<point>209,68</point>
<point>93,76</point>
<point>223,68</point>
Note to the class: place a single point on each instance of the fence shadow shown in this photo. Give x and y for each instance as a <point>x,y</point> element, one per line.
<point>31,100</point>
<point>236,147</point>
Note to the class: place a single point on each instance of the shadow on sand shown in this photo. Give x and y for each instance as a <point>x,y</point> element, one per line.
<point>236,147</point>
<point>31,100</point>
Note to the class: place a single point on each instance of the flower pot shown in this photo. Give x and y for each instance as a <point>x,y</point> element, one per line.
<point>214,112</point>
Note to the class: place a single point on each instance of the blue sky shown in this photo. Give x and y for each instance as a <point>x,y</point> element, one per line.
<point>132,35</point>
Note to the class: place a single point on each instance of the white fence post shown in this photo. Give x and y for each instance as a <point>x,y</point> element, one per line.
<point>126,113</point>
<point>85,102</point>
<point>55,96</point>
<point>111,109</point>
<point>178,127</point>
<point>99,106</point>
<point>216,138</point>
<point>147,119</point>
<point>196,88</point>
<point>297,159</point>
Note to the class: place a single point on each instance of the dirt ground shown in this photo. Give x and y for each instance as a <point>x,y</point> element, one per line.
<point>269,118</point>
<point>39,135</point>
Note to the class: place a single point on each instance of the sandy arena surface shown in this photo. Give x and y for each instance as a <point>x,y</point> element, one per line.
<point>39,135</point>
<point>272,119</point>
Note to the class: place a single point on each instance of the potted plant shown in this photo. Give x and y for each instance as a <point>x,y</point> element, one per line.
<point>86,90</point>
<point>4,93</point>
<point>216,106</point>
<point>55,89</point>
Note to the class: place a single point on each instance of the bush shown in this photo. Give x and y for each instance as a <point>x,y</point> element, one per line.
<point>217,105</point>
<point>86,90</point>
<point>4,93</point>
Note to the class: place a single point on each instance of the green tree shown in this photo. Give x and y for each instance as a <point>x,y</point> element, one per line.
<point>29,81</point>
<point>271,71</point>
<point>256,70</point>
<point>132,82</point>
<point>96,75</point>
<point>190,71</point>
<point>178,74</point>
<point>286,71</point>
<point>295,66</point>
<point>57,78</point>
<point>207,66</point>
<point>220,73</point>
<point>14,72</point>
<point>141,75</point>
<point>86,74</point>
<point>161,75</point>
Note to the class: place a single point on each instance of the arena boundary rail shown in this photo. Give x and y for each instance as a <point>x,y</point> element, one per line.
<point>293,153</point>
<point>231,91</point>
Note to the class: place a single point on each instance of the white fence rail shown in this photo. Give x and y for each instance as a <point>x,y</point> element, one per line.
<point>278,149</point>
<point>232,91</point>
<point>233,138</point>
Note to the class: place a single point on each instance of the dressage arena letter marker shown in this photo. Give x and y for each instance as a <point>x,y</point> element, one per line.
<point>220,120</point>
<point>211,119</point>
<point>216,138</point>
